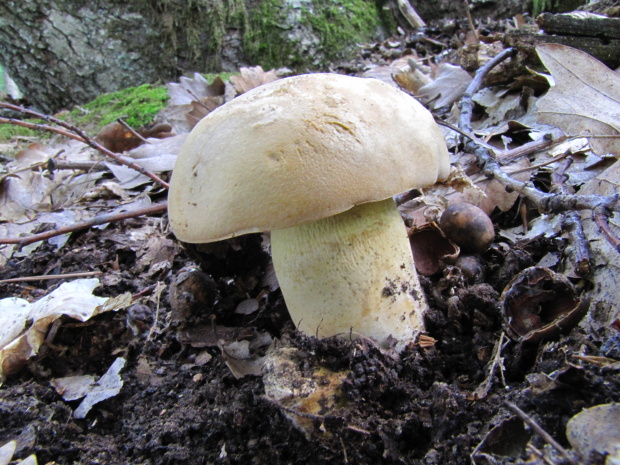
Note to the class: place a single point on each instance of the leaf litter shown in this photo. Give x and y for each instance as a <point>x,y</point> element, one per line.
<point>425,394</point>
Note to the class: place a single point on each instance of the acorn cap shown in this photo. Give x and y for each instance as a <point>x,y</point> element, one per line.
<point>300,149</point>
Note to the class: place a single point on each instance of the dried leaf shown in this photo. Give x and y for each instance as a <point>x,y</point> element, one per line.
<point>596,430</point>
<point>606,269</point>
<point>251,78</point>
<point>93,391</point>
<point>585,100</point>
<point>23,325</point>
<point>446,88</point>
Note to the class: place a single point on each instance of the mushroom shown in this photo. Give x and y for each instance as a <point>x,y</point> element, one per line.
<point>316,159</point>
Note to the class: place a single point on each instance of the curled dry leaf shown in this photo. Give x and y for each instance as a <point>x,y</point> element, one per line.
<point>538,303</point>
<point>191,99</point>
<point>23,325</point>
<point>251,78</point>
<point>446,88</point>
<point>585,100</point>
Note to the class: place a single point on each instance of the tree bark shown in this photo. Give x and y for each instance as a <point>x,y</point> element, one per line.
<point>67,52</point>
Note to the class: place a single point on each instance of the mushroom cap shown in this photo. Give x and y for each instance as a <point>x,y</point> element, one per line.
<point>300,149</point>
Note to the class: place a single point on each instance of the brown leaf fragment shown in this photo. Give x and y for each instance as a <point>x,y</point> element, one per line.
<point>585,100</point>
<point>251,78</point>
<point>201,108</point>
<point>446,88</point>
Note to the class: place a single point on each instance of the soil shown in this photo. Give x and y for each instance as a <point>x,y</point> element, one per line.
<point>416,407</point>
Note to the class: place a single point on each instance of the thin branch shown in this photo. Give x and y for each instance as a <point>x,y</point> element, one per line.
<point>75,133</point>
<point>132,130</point>
<point>544,202</point>
<point>577,249</point>
<point>541,432</point>
<point>97,220</point>
<point>467,104</point>
<point>49,277</point>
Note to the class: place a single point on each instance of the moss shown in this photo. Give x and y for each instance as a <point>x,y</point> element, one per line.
<point>265,41</point>
<point>339,25</point>
<point>342,23</point>
<point>8,131</point>
<point>136,105</point>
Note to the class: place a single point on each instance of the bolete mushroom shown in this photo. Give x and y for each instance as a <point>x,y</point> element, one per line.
<point>316,159</point>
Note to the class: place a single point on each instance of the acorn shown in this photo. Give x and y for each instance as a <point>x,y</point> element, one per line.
<point>468,227</point>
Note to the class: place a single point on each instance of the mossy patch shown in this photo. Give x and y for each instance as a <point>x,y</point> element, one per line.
<point>9,131</point>
<point>137,106</point>
<point>336,24</point>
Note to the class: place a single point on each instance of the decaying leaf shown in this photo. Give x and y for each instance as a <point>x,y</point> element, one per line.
<point>596,430</point>
<point>251,78</point>
<point>604,257</point>
<point>191,99</point>
<point>446,88</point>
<point>585,100</point>
<point>93,391</point>
<point>118,138</point>
<point>246,358</point>
<point>507,439</point>
<point>23,325</point>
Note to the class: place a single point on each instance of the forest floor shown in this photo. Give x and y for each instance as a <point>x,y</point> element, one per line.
<point>183,396</point>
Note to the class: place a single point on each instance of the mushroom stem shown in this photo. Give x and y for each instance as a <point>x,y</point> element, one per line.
<point>351,272</point>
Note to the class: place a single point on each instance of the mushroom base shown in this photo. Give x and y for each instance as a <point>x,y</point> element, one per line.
<point>351,274</point>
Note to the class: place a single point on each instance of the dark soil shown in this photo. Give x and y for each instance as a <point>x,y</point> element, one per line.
<point>421,406</point>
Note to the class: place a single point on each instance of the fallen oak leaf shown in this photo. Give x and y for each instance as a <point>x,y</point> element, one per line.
<point>251,78</point>
<point>585,100</point>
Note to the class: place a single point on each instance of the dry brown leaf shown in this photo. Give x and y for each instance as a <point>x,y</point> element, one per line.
<point>446,88</point>
<point>585,100</point>
<point>605,259</point>
<point>194,98</point>
<point>251,78</point>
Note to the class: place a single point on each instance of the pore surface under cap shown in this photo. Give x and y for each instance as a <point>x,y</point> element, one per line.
<point>301,149</point>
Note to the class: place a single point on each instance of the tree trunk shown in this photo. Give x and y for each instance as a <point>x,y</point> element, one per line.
<point>66,52</point>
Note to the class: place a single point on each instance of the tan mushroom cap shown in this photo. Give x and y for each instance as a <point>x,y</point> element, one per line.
<point>300,149</point>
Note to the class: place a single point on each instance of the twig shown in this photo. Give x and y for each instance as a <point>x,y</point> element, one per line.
<point>412,17</point>
<point>544,202</point>
<point>49,277</point>
<point>601,218</point>
<point>470,20</point>
<point>549,139</point>
<point>132,130</point>
<point>467,103</point>
<point>97,220</point>
<point>541,432</point>
<point>75,133</point>
<point>577,248</point>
